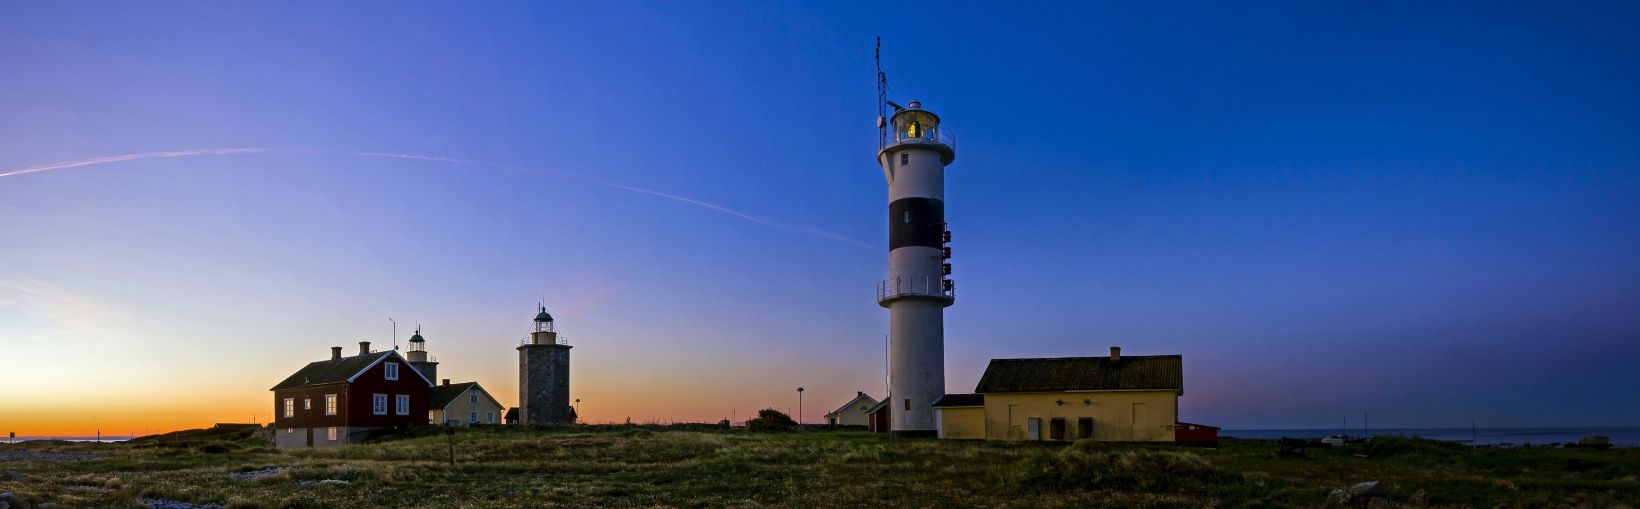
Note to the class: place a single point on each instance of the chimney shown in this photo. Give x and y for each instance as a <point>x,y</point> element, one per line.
<point>1115,353</point>
<point>335,353</point>
<point>364,347</point>
<point>446,381</point>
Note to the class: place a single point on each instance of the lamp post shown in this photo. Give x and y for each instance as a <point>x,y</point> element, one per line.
<point>577,409</point>
<point>799,408</point>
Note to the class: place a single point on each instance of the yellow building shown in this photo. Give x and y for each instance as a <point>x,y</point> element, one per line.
<point>463,404</point>
<point>852,413</point>
<point>1115,398</point>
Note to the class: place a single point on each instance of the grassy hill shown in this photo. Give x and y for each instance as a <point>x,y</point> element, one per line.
<point>584,467</point>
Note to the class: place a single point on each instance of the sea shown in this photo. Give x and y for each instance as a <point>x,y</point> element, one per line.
<point>105,438</point>
<point>1621,437</point>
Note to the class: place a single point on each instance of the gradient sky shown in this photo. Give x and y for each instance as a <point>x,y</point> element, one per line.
<point>1425,211</point>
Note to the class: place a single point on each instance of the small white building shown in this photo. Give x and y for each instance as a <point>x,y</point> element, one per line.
<point>853,413</point>
<point>463,404</point>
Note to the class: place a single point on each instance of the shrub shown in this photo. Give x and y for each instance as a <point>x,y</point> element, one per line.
<point>769,419</point>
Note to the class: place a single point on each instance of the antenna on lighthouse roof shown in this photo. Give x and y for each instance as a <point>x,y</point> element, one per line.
<point>882,95</point>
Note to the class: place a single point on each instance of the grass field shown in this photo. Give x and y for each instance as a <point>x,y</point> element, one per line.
<point>583,467</point>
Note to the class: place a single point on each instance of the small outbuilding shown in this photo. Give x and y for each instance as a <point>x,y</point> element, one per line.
<point>1201,435</point>
<point>877,417</point>
<point>852,413</point>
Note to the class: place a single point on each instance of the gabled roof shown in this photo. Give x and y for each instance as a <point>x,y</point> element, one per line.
<point>960,400</point>
<point>852,402</point>
<point>1128,373</point>
<point>512,414</point>
<point>881,405</point>
<point>341,370</point>
<point>444,395</point>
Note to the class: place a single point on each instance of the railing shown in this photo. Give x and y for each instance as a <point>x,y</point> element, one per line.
<point>914,286</point>
<point>561,340</point>
<point>938,135</point>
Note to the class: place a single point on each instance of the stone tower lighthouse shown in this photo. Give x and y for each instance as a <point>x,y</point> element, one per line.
<point>418,356</point>
<point>913,153</point>
<point>543,376</point>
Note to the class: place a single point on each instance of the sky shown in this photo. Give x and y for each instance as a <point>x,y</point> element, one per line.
<point>1428,213</point>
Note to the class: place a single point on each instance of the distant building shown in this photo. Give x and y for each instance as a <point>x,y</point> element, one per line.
<point>463,404</point>
<point>341,400</point>
<point>1115,398</point>
<point>852,413</point>
<point>543,376</point>
<point>512,416</point>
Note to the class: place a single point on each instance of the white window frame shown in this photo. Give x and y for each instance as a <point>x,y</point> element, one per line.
<point>330,404</point>
<point>472,397</point>
<point>290,407</point>
<point>472,418</point>
<point>401,404</point>
<point>390,370</point>
<point>489,417</point>
<point>290,430</point>
<point>378,404</point>
<point>331,433</point>
<point>307,403</point>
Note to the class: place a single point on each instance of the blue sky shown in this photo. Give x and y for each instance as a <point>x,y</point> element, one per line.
<point>1424,211</point>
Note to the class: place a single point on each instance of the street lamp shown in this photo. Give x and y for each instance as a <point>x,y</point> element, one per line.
<point>800,408</point>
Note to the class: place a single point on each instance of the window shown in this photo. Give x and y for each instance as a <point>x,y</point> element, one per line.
<point>392,370</point>
<point>472,398</point>
<point>907,403</point>
<point>473,418</point>
<point>330,404</point>
<point>331,433</point>
<point>290,407</point>
<point>905,158</point>
<point>378,404</point>
<point>403,406</point>
<point>307,403</point>
<point>289,430</point>
<point>489,417</point>
<point>430,416</point>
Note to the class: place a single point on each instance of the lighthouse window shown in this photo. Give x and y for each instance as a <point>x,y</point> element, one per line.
<point>905,159</point>
<point>913,130</point>
<point>908,403</point>
<point>908,217</point>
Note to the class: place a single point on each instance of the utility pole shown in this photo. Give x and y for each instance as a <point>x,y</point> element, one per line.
<point>799,408</point>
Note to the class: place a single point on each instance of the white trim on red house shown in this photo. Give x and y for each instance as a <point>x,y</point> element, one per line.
<point>390,353</point>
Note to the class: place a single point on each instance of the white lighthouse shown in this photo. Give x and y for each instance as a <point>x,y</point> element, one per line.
<point>913,155</point>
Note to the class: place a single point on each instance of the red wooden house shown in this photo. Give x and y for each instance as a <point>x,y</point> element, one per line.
<point>343,399</point>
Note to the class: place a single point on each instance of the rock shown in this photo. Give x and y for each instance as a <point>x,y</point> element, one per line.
<point>1359,495</point>
<point>5,505</point>
<point>11,475</point>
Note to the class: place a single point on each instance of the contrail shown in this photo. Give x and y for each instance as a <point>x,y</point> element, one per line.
<point>807,230</point>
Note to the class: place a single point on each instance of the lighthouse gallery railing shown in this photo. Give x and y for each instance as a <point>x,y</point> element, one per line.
<point>913,286</point>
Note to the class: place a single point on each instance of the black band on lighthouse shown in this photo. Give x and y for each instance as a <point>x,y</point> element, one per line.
<point>915,222</point>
